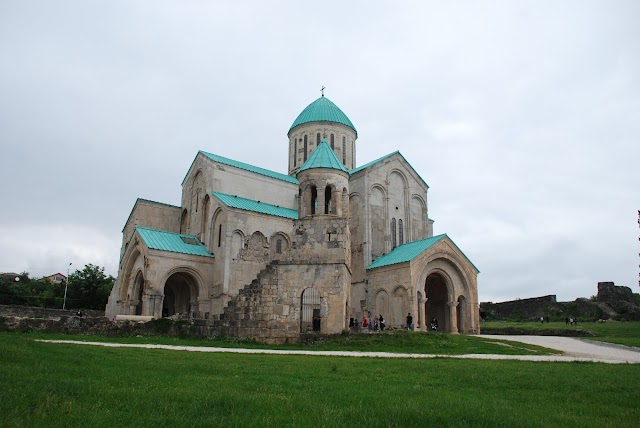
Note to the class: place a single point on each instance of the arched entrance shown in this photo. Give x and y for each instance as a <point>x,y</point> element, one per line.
<point>139,287</point>
<point>180,293</point>
<point>310,319</point>
<point>436,293</point>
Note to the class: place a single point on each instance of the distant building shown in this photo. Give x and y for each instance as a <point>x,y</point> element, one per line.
<point>10,276</point>
<point>56,278</point>
<point>274,255</point>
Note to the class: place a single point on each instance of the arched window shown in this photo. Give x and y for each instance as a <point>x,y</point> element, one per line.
<point>219,235</point>
<point>318,139</point>
<point>314,199</point>
<point>305,148</point>
<point>344,150</point>
<point>393,233</point>
<point>327,200</point>
<point>400,232</point>
<point>279,246</point>
<point>332,144</point>
<point>295,152</point>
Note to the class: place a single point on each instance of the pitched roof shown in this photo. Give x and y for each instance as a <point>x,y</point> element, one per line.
<point>255,206</point>
<point>322,110</point>
<point>147,201</point>
<point>323,157</point>
<point>407,252</point>
<point>172,242</point>
<point>251,168</point>
<point>373,162</point>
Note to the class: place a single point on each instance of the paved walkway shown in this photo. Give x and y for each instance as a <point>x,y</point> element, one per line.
<point>574,349</point>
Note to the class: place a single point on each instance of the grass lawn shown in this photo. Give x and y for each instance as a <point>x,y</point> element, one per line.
<point>621,332</point>
<point>44,384</point>
<point>395,341</point>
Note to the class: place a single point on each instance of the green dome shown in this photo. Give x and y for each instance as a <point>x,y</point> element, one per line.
<point>323,110</point>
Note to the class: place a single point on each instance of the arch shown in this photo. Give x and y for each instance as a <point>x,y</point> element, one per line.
<point>180,293</point>
<point>237,243</point>
<point>205,216</point>
<point>310,314</point>
<point>184,221</point>
<point>399,305</point>
<point>279,245</point>
<point>197,189</point>
<point>437,291</point>
<point>257,241</point>
<point>377,221</point>
<point>393,233</point>
<point>217,229</point>
<point>333,147</point>
<point>305,149</point>
<point>328,200</point>
<point>418,216</point>
<point>382,304</point>
<point>313,199</point>
<point>138,291</point>
<point>132,262</point>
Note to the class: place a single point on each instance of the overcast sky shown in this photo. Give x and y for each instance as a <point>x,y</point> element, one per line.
<point>523,118</point>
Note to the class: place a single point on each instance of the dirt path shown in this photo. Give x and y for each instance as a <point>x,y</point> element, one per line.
<point>580,351</point>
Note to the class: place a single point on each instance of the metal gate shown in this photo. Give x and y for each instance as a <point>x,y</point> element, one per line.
<point>310,320</point>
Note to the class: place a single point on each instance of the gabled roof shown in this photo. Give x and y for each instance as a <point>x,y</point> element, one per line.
<point>323,157</point>
<point>397,152</point>
<point>323,110</point>
<point>172,242</point>
<point>251,168</point>
<point>255,206</point>
<point>407,252</point>
<point>147,201</point>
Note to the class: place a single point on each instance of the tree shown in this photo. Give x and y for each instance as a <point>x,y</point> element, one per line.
<point>89,288</point>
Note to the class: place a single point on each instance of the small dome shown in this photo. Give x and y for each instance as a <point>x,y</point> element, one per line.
<point>323,110</point>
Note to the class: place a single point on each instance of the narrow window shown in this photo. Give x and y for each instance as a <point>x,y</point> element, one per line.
<point>344,151</point>
<point>332,144</point>
<point>393,233</point>
<point>279,246</point>
<point>318,139</point>
<point>197,201</point>
<point>295,152</point>
<point>314,199</point>
<point>305,148</point>
<point>400,232</point>
<point>327,200</point>
<point>219,235</point>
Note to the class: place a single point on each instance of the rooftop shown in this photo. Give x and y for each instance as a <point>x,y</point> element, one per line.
<point>323,157</point>
<point>255,206</point>
<point>172,242</point>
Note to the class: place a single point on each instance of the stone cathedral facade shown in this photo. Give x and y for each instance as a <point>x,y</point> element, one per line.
<point>255,253</point>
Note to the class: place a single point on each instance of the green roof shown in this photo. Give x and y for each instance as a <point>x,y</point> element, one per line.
<point>247,167</point>
<point>367,165</point>
<point>397,152</point>
<point>323,110</point>
<point>172,242</point>
<point>407,252</point>
<point>255,206</point>
<point>323,157</point>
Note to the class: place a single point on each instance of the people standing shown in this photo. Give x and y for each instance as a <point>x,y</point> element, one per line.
<point>409,322</point>
<point>382,324</point>
<point>365,323</point>
<point>434,324</point>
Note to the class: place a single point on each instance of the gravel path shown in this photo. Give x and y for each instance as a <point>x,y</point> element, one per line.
<point>574,349</point>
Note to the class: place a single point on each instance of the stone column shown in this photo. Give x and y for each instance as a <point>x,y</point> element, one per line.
<point>421,314</point>
<point>320,192</point>
<point>453,317</point>
<point>337,203</point>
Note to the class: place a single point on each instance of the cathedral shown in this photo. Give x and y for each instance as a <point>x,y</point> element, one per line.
<point>260,254</point>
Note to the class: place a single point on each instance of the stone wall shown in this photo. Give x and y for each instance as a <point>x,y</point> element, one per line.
<point>37,312</point>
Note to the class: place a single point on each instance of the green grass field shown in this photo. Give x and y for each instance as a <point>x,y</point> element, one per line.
<point>45,384</point>
<point>621,332</point>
